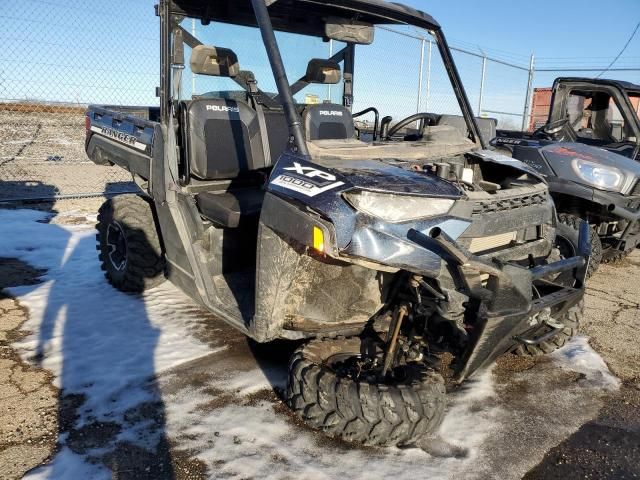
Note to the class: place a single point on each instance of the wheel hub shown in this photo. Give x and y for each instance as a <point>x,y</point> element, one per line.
<point>364,368</point>
<point>117,246</point>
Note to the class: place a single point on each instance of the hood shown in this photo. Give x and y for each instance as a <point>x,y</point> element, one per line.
<point>560,156</point>
<point>492,156</point>
<point>383,176</point>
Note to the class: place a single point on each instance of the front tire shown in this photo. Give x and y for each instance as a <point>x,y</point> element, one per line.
<point>129,245</point>
<point>357,410</point>
<point>617,257</point>
<point>570,320</point>
<point>614,256</point>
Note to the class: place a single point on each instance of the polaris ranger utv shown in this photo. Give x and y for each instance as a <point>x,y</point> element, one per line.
<point>588,151</point>
<point>384,258</point>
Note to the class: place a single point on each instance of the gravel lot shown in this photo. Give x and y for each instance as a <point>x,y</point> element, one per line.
<point>42,154</point>
<point>219,413</point>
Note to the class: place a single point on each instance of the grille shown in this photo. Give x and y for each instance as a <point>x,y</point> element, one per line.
<point>501,205</point>
<point>483,244</point>
<point>636,189</point>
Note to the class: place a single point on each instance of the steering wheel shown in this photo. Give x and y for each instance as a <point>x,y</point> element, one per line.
<point>550,131</point>
<point>430,117</point>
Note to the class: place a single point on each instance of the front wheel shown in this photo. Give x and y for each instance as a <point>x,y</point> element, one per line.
<point>571,322</point>
<point>330,389</point>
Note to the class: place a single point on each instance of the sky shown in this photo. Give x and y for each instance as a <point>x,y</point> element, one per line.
<point>93,52</point>
<point>587,29</point>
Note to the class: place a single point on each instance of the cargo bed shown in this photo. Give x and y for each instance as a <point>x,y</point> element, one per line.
<point>122,136</point>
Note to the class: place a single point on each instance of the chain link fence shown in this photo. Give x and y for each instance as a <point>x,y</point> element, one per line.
<point>417,80</point>
<point>61,55</point>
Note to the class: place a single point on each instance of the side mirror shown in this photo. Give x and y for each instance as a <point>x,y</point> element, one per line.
<point>323,71</point>
<point>214,61</point>
<point>349,31</point>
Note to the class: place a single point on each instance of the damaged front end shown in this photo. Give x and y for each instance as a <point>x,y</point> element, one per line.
<point>424,260</point>
<point>510,299</point>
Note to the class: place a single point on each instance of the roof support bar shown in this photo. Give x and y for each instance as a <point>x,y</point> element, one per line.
<point>458,88</point>
<point>280,75</point>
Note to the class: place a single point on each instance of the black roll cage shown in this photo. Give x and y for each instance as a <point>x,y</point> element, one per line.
<point>169,12</point>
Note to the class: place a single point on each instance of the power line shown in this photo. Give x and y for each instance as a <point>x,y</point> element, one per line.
<point>621,51</point>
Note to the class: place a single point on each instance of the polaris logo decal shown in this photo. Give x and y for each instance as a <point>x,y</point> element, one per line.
<point>331,113</point>
<point>314,184</point>
<point>119,136</point>
<point>218,108</point>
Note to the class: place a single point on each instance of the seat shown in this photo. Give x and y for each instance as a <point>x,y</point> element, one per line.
<point>223,139</point>
<point>328,122</point>
<point>277,132</point>
<point>224,147</point>
<point>231,209</point>
<point>487,126</point>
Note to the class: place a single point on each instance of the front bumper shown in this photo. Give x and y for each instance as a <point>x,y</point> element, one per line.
<point>507,303</point>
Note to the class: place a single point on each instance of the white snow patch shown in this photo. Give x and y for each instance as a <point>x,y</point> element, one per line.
<point>67,464</point>
<point>252,381</point>
<point>578,356</point>
<point>472,415</point>
<point>245,441</point>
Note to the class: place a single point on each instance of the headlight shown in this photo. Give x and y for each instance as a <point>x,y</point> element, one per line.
<point>398,208</point>
<point>605,178</point>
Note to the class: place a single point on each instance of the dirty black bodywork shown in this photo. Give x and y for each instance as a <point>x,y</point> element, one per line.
<point>498,283</point>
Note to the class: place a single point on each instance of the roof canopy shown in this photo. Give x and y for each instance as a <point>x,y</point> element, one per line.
<point>630,87</point>
<point>306,17</point>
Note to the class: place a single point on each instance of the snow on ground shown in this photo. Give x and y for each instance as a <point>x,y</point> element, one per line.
<point>103,344</point>
<point>579,357</point>
<point>122,353</point>
<point>255,441</point>
<point>67,464</point>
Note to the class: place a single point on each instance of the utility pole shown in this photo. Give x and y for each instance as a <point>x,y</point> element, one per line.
<point>193,75</point>
<point>420,77</point>
<point>481,97</point>
<point>528,99</point>
<point>426,107</point>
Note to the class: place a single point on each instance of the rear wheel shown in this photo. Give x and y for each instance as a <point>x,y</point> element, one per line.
<point>567,240</point>
<point>330,390</point>
<point>129,245</point>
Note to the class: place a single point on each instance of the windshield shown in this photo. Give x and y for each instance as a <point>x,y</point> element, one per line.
<point>246,42</point>
<point>397,85</point>
<point>598,115</point>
